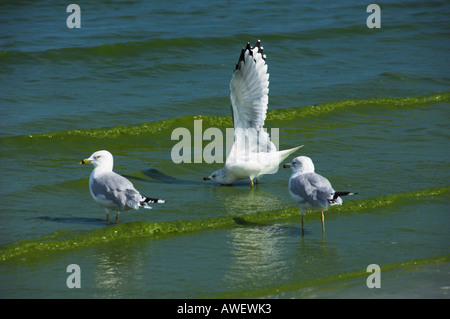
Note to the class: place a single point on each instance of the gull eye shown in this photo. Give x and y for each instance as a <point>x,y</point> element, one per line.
<point>98,156</point>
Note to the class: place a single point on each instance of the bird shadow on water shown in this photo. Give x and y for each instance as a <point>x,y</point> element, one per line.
<point>156,176</point>
<point>73,220</point>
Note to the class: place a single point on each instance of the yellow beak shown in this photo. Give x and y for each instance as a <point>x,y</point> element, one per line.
<point>85,161</point>
<point>287,165</point>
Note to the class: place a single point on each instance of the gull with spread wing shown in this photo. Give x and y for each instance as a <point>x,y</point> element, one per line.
<point>252,154</point>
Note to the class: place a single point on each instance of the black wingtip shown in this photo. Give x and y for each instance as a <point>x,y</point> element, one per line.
<point>338,194</point>
<point>241,58</point>
<point>260,49</point>
<point>250,49</point>
<point>152,200</point>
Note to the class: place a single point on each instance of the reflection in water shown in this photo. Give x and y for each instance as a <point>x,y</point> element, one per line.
<point>115,268</point>
<point>267,256</point>
<point>243,200</point>
<point>255,248</point>
<point>256,254</point>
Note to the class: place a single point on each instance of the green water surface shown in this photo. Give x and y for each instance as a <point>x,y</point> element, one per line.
<point>370,106</point>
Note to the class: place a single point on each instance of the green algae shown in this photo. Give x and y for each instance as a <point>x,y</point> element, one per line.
<point>64,240</point>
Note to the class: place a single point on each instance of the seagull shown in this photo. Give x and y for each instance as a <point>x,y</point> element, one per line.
<point>111,190</point>
<point>252,154</point>
<point>311,190</point>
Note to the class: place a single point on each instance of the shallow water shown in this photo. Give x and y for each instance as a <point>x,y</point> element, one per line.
<point>371,107</point>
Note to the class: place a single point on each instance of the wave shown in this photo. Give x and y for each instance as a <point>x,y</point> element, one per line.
<point>130,45</point>
<point>332,281</point>
<point>66,240</point>
<point>384,102</point>
<point>273,117</point>
<point>122,49</point>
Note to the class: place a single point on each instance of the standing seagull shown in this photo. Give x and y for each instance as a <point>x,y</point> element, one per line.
<point>253,154</point>
<point>309,189</point>
<point>111,190</point>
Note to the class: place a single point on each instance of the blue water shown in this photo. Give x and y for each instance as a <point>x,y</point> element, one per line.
<point>136,70</point>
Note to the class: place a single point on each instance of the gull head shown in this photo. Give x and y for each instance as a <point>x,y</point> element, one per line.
<point>300,164</point>
<point>102,159</point>
<point>220,176</point>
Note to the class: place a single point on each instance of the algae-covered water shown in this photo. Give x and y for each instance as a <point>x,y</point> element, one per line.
<point>370,106</point>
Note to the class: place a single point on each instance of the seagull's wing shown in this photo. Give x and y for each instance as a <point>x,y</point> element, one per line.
<point>313,188</point>
<point>111,189</point>
<point>249,88</point>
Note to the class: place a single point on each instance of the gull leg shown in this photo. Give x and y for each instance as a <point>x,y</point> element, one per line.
<point>117,218</point>
<point>303,223</point>
<point>323,224</point>
<point>107,216</point>
<point>251,183</point>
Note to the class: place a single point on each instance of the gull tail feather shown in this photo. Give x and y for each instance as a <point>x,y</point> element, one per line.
<point>337,200</point>
<point>285,153</point>
<point>147,200</point>
<point>337,194</point>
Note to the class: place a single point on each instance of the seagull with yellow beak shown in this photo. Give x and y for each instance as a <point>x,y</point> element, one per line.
<point>311,190</point>
<point>112,191</point>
